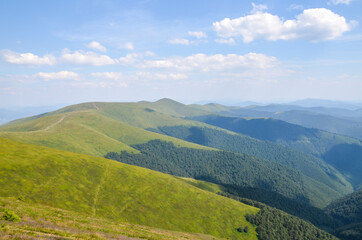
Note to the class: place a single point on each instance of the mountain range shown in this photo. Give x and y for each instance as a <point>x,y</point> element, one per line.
<point>164,165</point>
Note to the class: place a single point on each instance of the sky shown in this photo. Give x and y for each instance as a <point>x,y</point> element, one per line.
<point>72,51</point>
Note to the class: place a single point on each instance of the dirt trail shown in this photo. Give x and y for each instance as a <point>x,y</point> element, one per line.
<point>95,106</point>
<point>54,124</point>
<point>100,185</point>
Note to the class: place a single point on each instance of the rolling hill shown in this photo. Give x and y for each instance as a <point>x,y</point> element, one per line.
<point>176,145</point>
<point>104,188</point>
<point>100,128</point>
<point>344,153</point>
<point>84,131</point>
<point>335,120</point>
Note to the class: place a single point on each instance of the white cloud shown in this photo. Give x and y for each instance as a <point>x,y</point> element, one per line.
<point>336,2</point>
<point>316,24</point>
<point>115,79</point>
<point>109,75</point>
<point>182,41</point>
<point>216,62</point>
<point>132,58</point>
<point>198,35</point>
<point>58,75</point>
<point>96,46</point>
<point>86,58</point>
<point>27,58</point>
<point>229,41</point>
<point>258,8</point>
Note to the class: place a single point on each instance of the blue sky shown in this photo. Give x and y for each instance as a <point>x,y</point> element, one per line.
<point>55,52</point>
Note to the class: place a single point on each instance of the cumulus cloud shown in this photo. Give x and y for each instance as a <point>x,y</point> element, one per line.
<point>229,41</point>
<point>132,58</point>
<point>86,58</point>
<point>198,35</point>
<point>182,41</point>
<point>96,46</point>
<point>317,24</point>
<point>216,62</point>
<point>58,75</point>
<point>27,58</point>
<point>336,2</point>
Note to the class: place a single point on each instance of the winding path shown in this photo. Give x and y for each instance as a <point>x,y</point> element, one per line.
<point>54,124</point>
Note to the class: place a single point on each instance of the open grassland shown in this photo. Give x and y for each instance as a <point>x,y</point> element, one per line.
<point>104,188</point>
<point>85,132</point>
<point>164,112</point>
<point>43,222</point>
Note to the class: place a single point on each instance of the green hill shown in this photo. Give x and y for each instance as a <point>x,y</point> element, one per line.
<point>334,183</point>
<point>86,132</point>
<point>100,128</point>
<point>229,168</point>
<point>104,188</point>
<point>344,153</point>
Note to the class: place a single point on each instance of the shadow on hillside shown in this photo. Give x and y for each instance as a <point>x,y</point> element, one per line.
<point>347,158</point>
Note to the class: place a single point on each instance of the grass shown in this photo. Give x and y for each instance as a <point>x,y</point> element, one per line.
<point>44,222</point>
<point>104,188</point>
<point>86,132</point>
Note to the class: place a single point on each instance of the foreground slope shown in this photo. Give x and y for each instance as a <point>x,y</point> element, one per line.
<point>104,188</point>
<point>43,222</point>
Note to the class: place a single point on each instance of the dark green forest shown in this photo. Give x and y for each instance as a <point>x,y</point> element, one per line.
<point>312,214</point>
<point>274,224</point>
<point>309,165</point>
<point>225,167</point>
<point>342,152</point>
<point>348,210</point>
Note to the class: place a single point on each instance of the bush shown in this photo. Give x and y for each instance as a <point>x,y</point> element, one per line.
<point>10,216</point>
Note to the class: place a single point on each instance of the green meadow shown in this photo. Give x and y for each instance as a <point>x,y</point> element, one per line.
<point>104,188</point>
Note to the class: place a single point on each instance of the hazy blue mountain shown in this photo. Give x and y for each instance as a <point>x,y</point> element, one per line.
<point>10,114</point>
<point>326,103</point>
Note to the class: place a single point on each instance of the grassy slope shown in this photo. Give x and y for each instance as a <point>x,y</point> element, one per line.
<point>44,222</point>
<point>86,132</point>
<point>105,188</point>
<point>164,112</point>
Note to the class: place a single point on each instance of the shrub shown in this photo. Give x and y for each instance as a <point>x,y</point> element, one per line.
<point>10,216</point>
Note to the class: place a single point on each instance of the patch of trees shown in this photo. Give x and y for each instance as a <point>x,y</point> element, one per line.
<point>309,165</point>
<point>348,210</point>
<point>273,224</point>
<point>219,167</point>
<point>312,214</point>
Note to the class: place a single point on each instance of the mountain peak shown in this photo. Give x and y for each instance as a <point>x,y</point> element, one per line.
<point>168,101</point>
